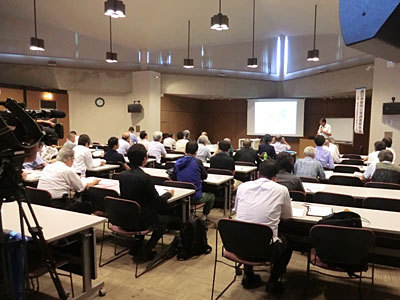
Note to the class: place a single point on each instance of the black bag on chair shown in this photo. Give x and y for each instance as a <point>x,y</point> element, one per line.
<point>193,240</point>
<point>343,218</point>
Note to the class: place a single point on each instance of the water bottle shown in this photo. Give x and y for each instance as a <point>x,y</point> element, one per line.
<point>265,156</point>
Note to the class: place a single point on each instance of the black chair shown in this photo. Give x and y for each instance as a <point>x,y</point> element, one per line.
<point>220,171</point>
<point>309,179</point>
<point>357,162</point>
<point>382,185</point>
<point>245,163</point>
<point>185,185</point>
<point>115,176</point>
<point>297,196</point>
<point>382,204</point>
<point>345,180</point>
<point>96,197</point>
<point>342,249</point>
<point>334,199</point>
<point>119,163</point>
<point>346,169</point>
<point>123,216</point>
<point>351,156</point>
<point>37,196</point>
<point>243,243</point>
<point>169,165</point>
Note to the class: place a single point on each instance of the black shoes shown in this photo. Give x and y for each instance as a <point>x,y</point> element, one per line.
<point>251,281</point>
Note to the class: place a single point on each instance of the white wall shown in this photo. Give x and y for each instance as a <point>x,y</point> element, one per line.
<point>385,86</point>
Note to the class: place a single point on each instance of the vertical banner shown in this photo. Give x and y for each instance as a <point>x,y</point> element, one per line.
<point>359,111</point>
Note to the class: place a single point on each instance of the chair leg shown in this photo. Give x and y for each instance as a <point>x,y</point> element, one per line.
<point>359,282</point>
<point>215,264</point>
<point>101,246</point>
<point>228,286</point>
<point>117,255</point>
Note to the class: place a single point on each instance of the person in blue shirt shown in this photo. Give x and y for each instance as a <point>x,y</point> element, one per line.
<point>134,139</point>
<point>323,155</point>
<point>191,169</point>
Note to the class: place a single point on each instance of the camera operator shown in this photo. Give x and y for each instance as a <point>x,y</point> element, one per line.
<point>59,179</point>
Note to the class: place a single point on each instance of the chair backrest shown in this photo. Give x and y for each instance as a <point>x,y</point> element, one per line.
<point>169,165</point>
<point>115,176</point>
<point>351,156</point>
<point>175,152</point>
<point>345,180</point>
<point>346,169</point>
<point>36,196</point>
<point>297,196</point>
<point>245,163</point>
<point>382,204</point>
<point>342,246</point>
<point>334,199</point>
<point>357,162</point>
<point>119,163</point>
<point>382,185</point>
<point>248,241</point>
<point>179,184</point>
<point>219,171</point>
<point>123,213</point>
<point>96,197</point>
<point>309,179</point>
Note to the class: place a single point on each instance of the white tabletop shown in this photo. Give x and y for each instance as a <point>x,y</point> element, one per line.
<point>377,220</point>
<point>362,156</point>
<point>238,168</point>
<point>32,175</point>
<point>56,223</point>
<point>149,160</point>
<point>173,155</point>
<point>362,168</point>
<point>112,184</point>
<point>106,167</point>
<point>355,191</point>
<point>212,147</point>
<point>328,174</point>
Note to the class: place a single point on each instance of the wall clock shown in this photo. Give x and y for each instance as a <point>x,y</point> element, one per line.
<point>99,102</point>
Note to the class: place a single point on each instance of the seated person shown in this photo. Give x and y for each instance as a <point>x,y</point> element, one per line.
<point>321,154</point>
<point>124,143</point>
<point>285,174</point>
<point>48,153</point>
<point>203,153</point>
<point>169,141</point>
<point>144,139</point>
<point>280,144</point>
<point>157,149</point>
<point>266,202</point>
<point>230,152</point>
<point>112,154</point>
<point>388,142</point>
<point>307,166</point>
<point>222,160</point>
<point>384,171</point>
<point>373,156</point>
<point>83,156</point>
<point>132,135</point>
<point>266,148</point>
<point>71,139</point>
<point>59,180</point>
<point>38,163</point>
<point>247,153</point>
<point>333,149</point>
<point>138,186</point>
<point>181,142</point>
<point>190,169</point>
<point>204,134</point>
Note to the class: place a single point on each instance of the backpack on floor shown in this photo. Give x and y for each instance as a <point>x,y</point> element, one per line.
<point>193,240</point>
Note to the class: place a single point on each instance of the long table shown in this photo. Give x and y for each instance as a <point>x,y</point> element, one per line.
<point>385,225</point>
<point>328,174</point>
<point>360,167</point>
<point>58,224</point>
<point>252,170</point>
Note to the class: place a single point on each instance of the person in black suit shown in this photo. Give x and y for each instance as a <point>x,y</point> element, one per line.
<point>267,148</point>
<point>247,153</point>
<point>222,160</point>
<point>136,185</point>
<point>112,155</point>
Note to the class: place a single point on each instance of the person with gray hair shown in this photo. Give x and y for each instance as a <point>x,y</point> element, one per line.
<point>157,149</point>
<point>59,180</point>
<point>186,134</point>
<point>307,166</point>
<point>203,153</point>
<point>384,171</point>
<point>204,136</point>
<point>333,149</point>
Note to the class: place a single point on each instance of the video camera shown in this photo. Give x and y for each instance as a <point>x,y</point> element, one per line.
<point>20,135</point>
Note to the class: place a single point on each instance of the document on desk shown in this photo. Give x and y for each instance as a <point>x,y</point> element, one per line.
<point>162,190</point>
<point>298,212</point>
<point>319,211</point>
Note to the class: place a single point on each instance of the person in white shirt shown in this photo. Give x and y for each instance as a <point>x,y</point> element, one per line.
<point>143,139</point>
<point>203,153</point>
<point>83,156</point>
<point>157,149</point>
<point>280,144</point>
<point>181,142</point>
<point>324,128</point>
<point>204,134</point>
<point>373,156</point>
<point>124,143</point>
<point>76,137</point>
<point>333,149</point>
<point>71,139</point>
<point>169,141</point>
<point>267,202</point>
<point>59,180</point>
<point>388,142</point>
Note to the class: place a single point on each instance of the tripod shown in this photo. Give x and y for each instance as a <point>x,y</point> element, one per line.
<point>36,234</point>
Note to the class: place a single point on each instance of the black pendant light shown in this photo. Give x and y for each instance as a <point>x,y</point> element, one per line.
<point>36,43</point>
<point>313,55</point>
<point>111,57</point>
<point>220,22</point>
<point>188,62</point>
<point>114,9</point>
<point>252,61</point>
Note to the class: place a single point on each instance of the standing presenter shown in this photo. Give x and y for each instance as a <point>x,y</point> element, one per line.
<point>324,128</point>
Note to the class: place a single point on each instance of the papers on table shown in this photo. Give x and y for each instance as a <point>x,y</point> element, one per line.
<point>313,188</point>
<point>162,189</point>
<point>298,212</point>
<point>319,211</point>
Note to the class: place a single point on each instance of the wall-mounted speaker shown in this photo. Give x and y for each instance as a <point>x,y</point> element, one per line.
<point>135,108</point>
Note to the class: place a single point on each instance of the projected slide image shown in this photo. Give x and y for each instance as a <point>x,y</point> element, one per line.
<point>275,117</point>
